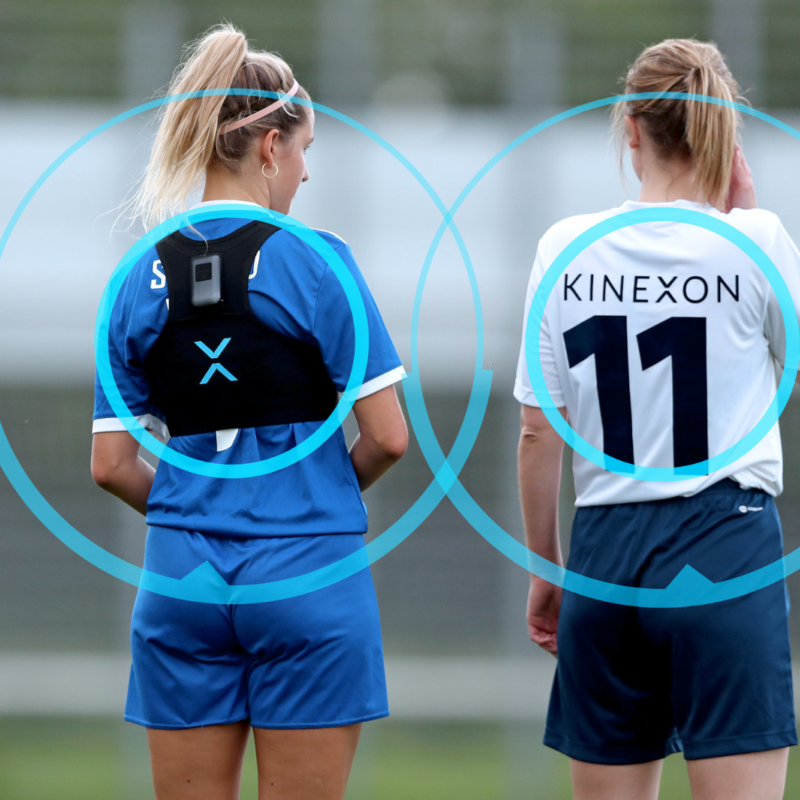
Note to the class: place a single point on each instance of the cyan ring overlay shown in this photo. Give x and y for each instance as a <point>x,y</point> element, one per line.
<point>589,237</point>
<point>204,584</point>
<point>689,587</point>
<point>208,468</point>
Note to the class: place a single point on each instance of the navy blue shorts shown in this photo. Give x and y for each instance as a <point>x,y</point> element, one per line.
<point>636,684</point>
<point>313,661</point>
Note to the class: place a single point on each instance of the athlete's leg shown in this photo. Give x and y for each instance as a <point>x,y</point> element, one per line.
<point>741,777</point>
<point>305,764</point>
<point>615,781</point>
<point>198,763</point>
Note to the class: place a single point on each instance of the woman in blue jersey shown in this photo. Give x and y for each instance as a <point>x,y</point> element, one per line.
<point>301,673</point>
<point>659,345</point>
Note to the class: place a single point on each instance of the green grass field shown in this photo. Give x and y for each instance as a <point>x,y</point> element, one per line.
<point>102,759</point>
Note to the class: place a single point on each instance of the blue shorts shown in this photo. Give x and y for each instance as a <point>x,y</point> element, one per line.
<point>313,661</point>
<point>636,684</point>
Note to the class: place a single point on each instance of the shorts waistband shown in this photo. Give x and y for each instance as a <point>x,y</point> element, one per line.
<point>725,485</point>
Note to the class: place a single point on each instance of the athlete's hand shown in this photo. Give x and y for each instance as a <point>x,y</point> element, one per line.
<point>742,193</point>
<point>544,603</point>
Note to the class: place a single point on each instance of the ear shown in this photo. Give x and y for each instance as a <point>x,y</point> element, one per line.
<point>268,146</point>
<point>634,135</point>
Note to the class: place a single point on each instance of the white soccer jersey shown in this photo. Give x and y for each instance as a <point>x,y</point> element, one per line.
<point>660,339</point>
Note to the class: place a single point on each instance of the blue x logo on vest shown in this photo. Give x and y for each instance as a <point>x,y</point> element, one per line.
<point>215,367</point>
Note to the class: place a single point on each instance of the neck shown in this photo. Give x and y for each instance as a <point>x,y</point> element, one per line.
<point>223,184</point>
<point>665,182</point>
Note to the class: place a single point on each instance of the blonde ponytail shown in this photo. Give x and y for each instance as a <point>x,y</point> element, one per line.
<point>711,131</point>
<point>703,133</point>
<point>188,137</point>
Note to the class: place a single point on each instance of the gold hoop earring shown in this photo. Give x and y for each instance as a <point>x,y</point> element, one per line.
<point>269,177</point>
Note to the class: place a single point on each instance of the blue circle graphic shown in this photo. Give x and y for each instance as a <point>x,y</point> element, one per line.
<point>637,217</point>
<point>689,587</point>
<point>204,584</point>
<point>209,468</point>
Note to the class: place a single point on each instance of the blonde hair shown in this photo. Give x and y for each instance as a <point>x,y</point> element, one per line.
<point>188,137</point>
<point>692,130</point>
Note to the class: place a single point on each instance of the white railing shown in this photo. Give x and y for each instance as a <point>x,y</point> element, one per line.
<point>454,688</point>
<point>435,688</point>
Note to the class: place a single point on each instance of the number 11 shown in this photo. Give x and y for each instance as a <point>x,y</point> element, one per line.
<point>681,338</point>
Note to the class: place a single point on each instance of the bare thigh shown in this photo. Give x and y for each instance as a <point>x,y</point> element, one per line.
<point>615,781</point>
<point>311,764</point>
<point>198,763</point>
<point>749,776</point>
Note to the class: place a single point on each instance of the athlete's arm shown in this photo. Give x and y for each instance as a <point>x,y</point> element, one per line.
<point>741,193</point>
<point>539,467</point>
<point>382,435</point>
<point>118,468</point>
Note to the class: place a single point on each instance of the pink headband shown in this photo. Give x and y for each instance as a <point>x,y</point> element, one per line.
<point>264,111</point>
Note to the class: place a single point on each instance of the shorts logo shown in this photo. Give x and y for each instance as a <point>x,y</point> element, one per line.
<point>215,367</point>
<point>745,509</point>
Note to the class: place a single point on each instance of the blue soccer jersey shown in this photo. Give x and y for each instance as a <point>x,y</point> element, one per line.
<point>293,291</point>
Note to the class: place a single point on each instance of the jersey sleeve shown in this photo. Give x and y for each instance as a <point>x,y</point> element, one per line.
<point>139,314</point>
<point>523,391</point>
<point>785,256</point>
<point>334,332</point>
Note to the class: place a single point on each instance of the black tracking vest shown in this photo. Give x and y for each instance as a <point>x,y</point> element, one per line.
<point>218,366</point>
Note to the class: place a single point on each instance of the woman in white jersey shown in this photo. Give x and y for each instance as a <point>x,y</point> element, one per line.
<point>242,371</point>
<point>685,332</point>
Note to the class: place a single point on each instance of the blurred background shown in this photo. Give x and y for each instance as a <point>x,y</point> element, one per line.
<point>448,84</point>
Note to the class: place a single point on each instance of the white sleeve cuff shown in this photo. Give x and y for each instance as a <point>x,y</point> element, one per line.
<point>381,382</point>
<point>147,421</point>
<point>526,396</point>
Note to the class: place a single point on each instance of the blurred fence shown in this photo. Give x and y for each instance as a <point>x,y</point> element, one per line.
<point>487,52</point>
<point>465,688</point>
